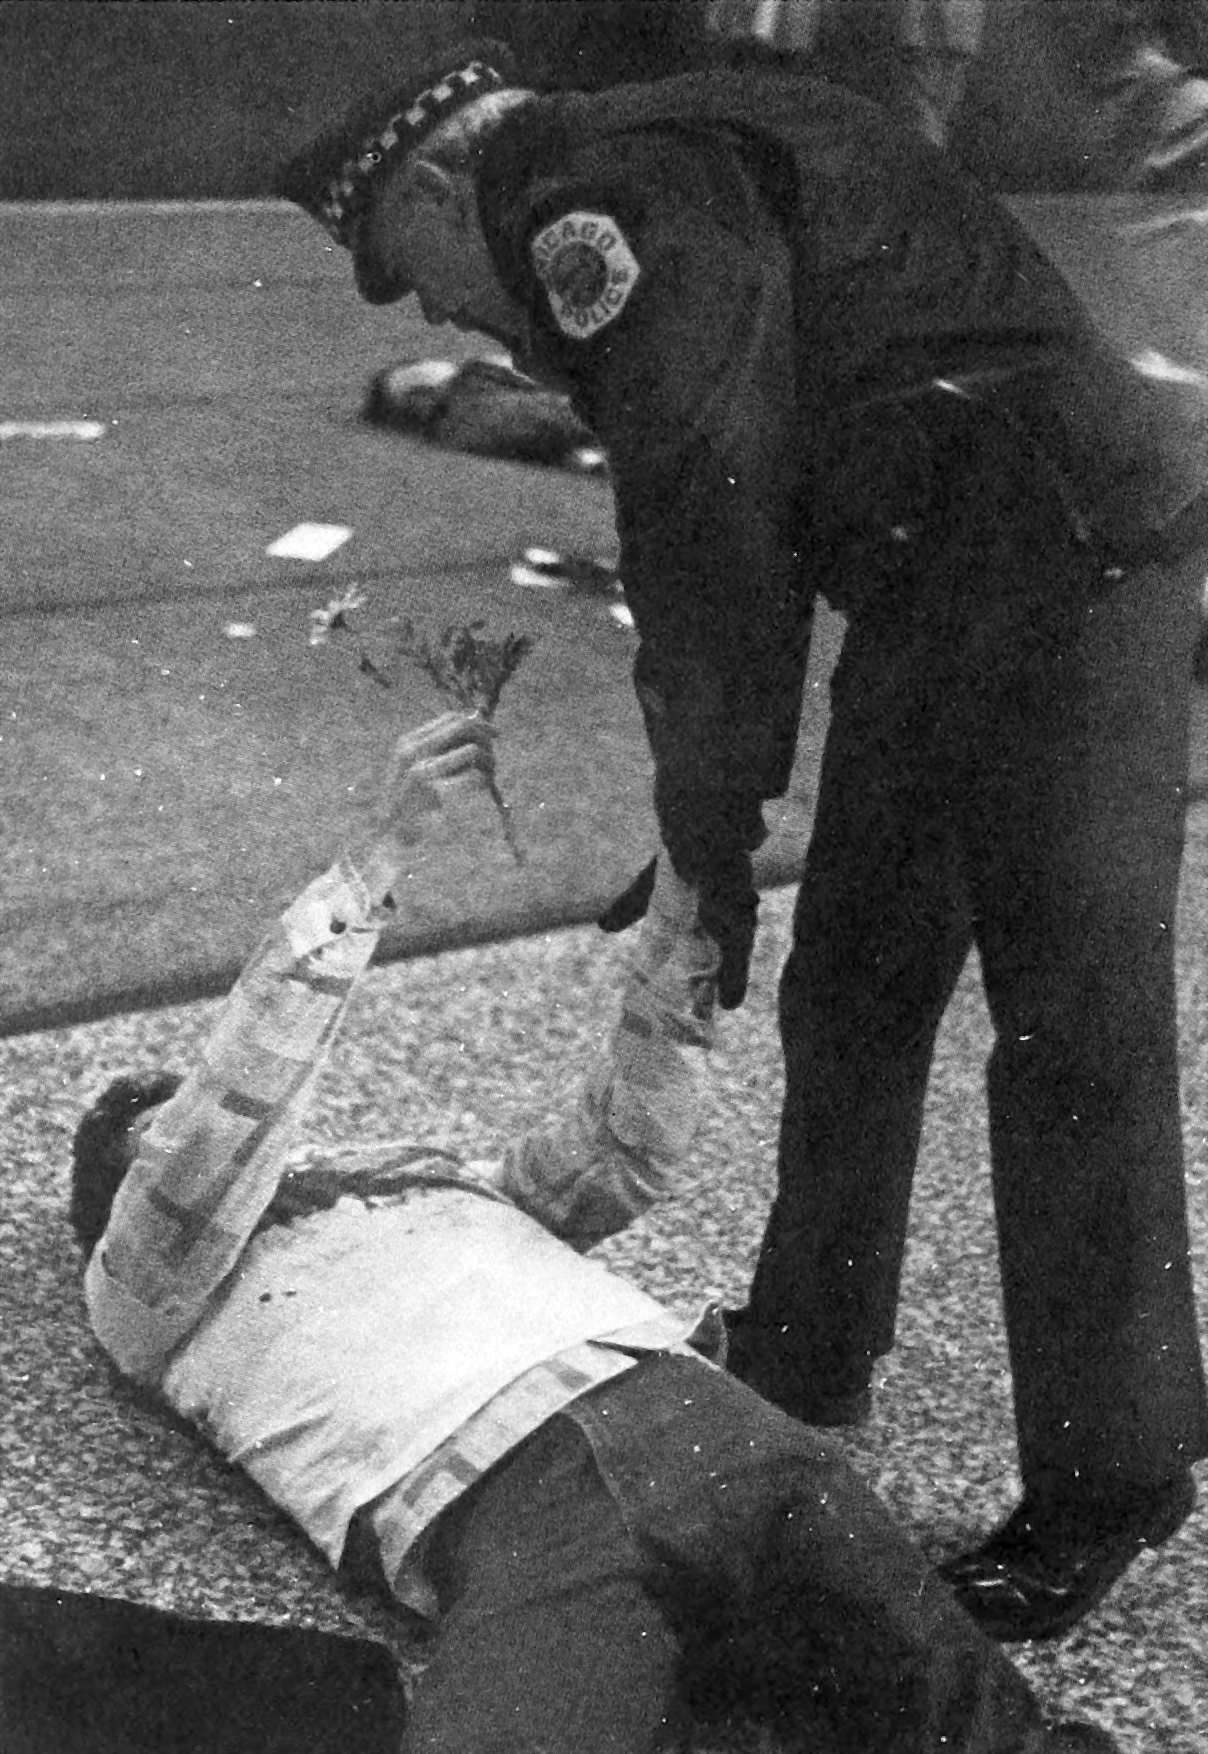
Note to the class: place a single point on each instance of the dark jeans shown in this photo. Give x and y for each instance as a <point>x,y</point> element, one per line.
<point>1005,769</point>
<point>673,1539</point>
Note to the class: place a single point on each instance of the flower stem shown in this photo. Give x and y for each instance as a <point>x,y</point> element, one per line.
<point>505,818</point>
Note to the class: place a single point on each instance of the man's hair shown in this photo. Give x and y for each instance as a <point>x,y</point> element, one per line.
<point>456,143</point>
<point>104,1148</point>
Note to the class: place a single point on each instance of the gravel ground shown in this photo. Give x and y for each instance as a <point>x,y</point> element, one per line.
<point>101,1493</point>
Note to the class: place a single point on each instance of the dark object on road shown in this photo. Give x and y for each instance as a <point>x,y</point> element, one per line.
<point>81,1674</point>
<point>556,569</point>
<point>484,407</point>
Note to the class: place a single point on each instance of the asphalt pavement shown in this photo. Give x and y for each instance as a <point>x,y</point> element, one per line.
<point>176,757</point>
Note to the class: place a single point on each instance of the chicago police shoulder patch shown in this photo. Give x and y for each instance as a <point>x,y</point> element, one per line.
<point>588,271</point>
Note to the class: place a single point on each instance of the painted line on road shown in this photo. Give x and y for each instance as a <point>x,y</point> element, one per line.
<point>1182,216</point>
<point>1153,364</point>
<point>18,604</point>
<point>51,429</point>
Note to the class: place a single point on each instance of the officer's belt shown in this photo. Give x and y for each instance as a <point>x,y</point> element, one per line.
<point>976,377</point>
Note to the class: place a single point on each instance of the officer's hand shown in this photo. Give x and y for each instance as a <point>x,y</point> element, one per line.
<point>630,906</point>
<point>728,910</point>
<point>709,836</point>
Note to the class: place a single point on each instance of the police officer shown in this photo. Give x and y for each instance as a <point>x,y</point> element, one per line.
<point>821,359</point>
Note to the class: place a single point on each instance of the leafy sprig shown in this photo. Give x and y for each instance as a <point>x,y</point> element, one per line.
<point>471,670</point>
<point>467,666</point>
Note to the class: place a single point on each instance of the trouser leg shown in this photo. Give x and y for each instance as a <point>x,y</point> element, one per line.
<point>548,1640</point>
<point>777,1566</point>
<point>1041,718</point>
<point>1074,853</point>
<point>882,930</point>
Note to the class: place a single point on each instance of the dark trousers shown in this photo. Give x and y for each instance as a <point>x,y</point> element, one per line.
<point>675,1540</point>
<point>1005,769</point>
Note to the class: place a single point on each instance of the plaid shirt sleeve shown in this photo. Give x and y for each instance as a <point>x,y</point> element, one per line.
<point>209,1160</point>
<point>621,1147</point>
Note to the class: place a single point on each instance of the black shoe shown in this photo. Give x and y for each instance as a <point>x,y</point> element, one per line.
<point>1045,1567</point>
<point>753,1360</point>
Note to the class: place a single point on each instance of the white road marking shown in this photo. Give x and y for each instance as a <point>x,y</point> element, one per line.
<point>51,429</point>
<point>1165,221</point>
<point>310,541</point>
<point>1152,364</point>
<point>591,462</point>
<point>537,581</point>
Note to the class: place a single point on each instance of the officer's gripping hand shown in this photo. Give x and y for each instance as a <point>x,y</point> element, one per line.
<point>728,910</point>
<point>727,907</point>
<point>710,833</point>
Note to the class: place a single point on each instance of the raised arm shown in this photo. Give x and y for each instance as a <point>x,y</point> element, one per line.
<point>208,1161</point>
<point>618,1152</point>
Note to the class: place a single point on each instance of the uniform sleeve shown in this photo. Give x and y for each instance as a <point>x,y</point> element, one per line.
<point>208,1161</point>
<point>661,293</point>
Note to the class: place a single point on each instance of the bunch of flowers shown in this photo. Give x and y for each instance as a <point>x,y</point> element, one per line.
<point>468,666</point>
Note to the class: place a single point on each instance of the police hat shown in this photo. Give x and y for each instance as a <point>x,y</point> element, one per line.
<point>334,178</point>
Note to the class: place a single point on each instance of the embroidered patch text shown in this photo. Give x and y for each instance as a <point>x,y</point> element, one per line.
<point>588,271</point>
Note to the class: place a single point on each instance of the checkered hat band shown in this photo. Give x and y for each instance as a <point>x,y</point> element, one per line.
<point>349,192</point>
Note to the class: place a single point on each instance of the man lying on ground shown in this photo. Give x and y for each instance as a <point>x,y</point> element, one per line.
<point>609,1532</point>
<point>485,407</point>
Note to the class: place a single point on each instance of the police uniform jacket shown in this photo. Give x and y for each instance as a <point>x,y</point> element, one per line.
<point>757,288</point>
